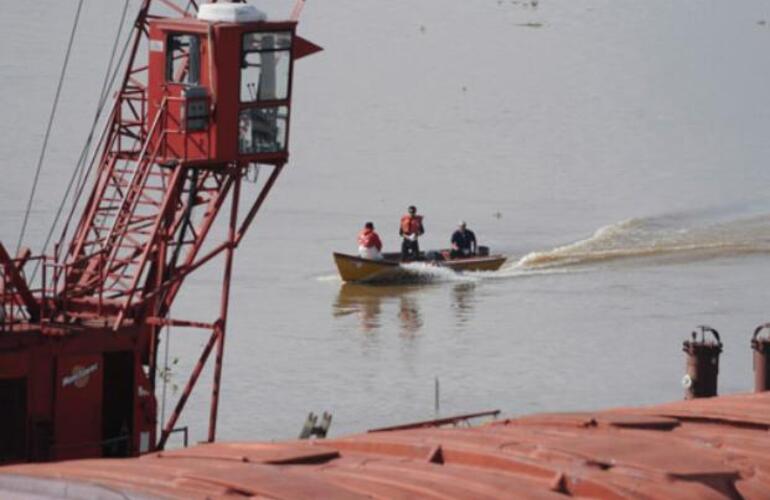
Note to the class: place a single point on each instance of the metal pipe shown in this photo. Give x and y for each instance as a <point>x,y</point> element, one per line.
<point>223,311</point>
<point>700,380</point>
<point>438,422</point>
<point>761,348</point>
<point>188,389</point>
<point>436,397</point>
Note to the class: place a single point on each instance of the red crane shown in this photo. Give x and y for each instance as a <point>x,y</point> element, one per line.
<point>79,348</point>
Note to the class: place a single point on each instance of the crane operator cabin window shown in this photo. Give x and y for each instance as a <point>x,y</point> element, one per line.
<point>265,68</point>
<point>183,59</point>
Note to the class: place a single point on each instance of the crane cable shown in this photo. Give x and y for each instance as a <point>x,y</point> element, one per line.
<point>44,148</point>
<point>80,172</point>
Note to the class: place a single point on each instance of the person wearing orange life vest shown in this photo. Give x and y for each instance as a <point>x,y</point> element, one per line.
<point>369,243</point>
<point>411,229</point>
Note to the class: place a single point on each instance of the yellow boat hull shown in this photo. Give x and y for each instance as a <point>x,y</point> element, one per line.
<point>357,269</point>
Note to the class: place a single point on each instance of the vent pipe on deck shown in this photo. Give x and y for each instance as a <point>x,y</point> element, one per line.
<point>700,381</point>
<point>761,348</point>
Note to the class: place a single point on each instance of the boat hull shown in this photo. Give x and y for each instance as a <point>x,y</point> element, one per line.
<point>354,269</point>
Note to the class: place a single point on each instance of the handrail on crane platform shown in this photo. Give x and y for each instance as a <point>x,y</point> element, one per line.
<point>12,273</point>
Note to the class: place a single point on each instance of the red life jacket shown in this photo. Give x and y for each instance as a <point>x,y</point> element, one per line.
<point>368,238</point>
<point>411,224</point>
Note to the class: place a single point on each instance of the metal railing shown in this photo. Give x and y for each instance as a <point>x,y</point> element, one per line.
<point>12,308</point>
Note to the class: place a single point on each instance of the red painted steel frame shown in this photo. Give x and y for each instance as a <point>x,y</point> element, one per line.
<point>223,311</point>
<point>11,272</point>
<point>144,224</point>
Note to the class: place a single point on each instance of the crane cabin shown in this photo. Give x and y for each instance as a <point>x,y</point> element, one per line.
<point>220,85</point>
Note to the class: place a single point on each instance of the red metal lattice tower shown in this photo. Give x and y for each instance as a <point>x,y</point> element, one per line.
<point>177,145</point>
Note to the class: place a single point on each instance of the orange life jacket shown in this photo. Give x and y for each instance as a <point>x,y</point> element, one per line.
<point>368,238</point>
<point>411,224</point>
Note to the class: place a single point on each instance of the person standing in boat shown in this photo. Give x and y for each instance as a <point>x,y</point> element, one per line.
<point>369,243</point>
<point>410,230</point>
<point>463,242</point>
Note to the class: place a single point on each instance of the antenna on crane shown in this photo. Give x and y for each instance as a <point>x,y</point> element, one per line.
<point>297,10</point>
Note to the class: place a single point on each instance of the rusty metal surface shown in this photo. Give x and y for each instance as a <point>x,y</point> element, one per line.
<point>702,375</point>
<point>704,448</point>
<point>760,347</point>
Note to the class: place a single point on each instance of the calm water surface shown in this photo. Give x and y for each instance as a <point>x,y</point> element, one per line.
<point>615,151</point>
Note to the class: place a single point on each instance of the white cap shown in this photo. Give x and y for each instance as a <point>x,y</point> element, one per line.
<point>461,223</point>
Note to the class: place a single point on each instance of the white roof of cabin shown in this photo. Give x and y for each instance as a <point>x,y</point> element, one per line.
<point>230,13</point>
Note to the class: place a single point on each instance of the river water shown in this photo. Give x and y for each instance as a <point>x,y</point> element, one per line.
<point>615,151</point>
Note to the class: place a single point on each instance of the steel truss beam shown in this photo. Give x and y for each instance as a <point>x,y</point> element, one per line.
<point>144,225</point>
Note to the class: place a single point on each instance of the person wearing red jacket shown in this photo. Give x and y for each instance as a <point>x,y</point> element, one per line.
<point>410,229</point>
<point>369,243</point>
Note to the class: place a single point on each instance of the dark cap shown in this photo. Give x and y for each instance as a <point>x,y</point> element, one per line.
<point>412,209</point>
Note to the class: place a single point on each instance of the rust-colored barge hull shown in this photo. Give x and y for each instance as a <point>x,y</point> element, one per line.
<point>711,448</point>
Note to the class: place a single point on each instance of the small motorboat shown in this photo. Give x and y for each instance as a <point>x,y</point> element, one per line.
<point>353,268</point>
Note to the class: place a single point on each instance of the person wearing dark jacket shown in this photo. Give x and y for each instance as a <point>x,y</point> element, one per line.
<point>463,242</point>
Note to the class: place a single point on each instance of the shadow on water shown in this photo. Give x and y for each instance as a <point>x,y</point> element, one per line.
<point>378,306</point>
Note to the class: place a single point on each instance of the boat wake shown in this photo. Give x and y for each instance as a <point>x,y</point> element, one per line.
<point>419,272</point>
<point>664,239</point>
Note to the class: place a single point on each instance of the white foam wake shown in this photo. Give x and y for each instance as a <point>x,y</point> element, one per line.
<point>423,272</point>
<point>653,238</point>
